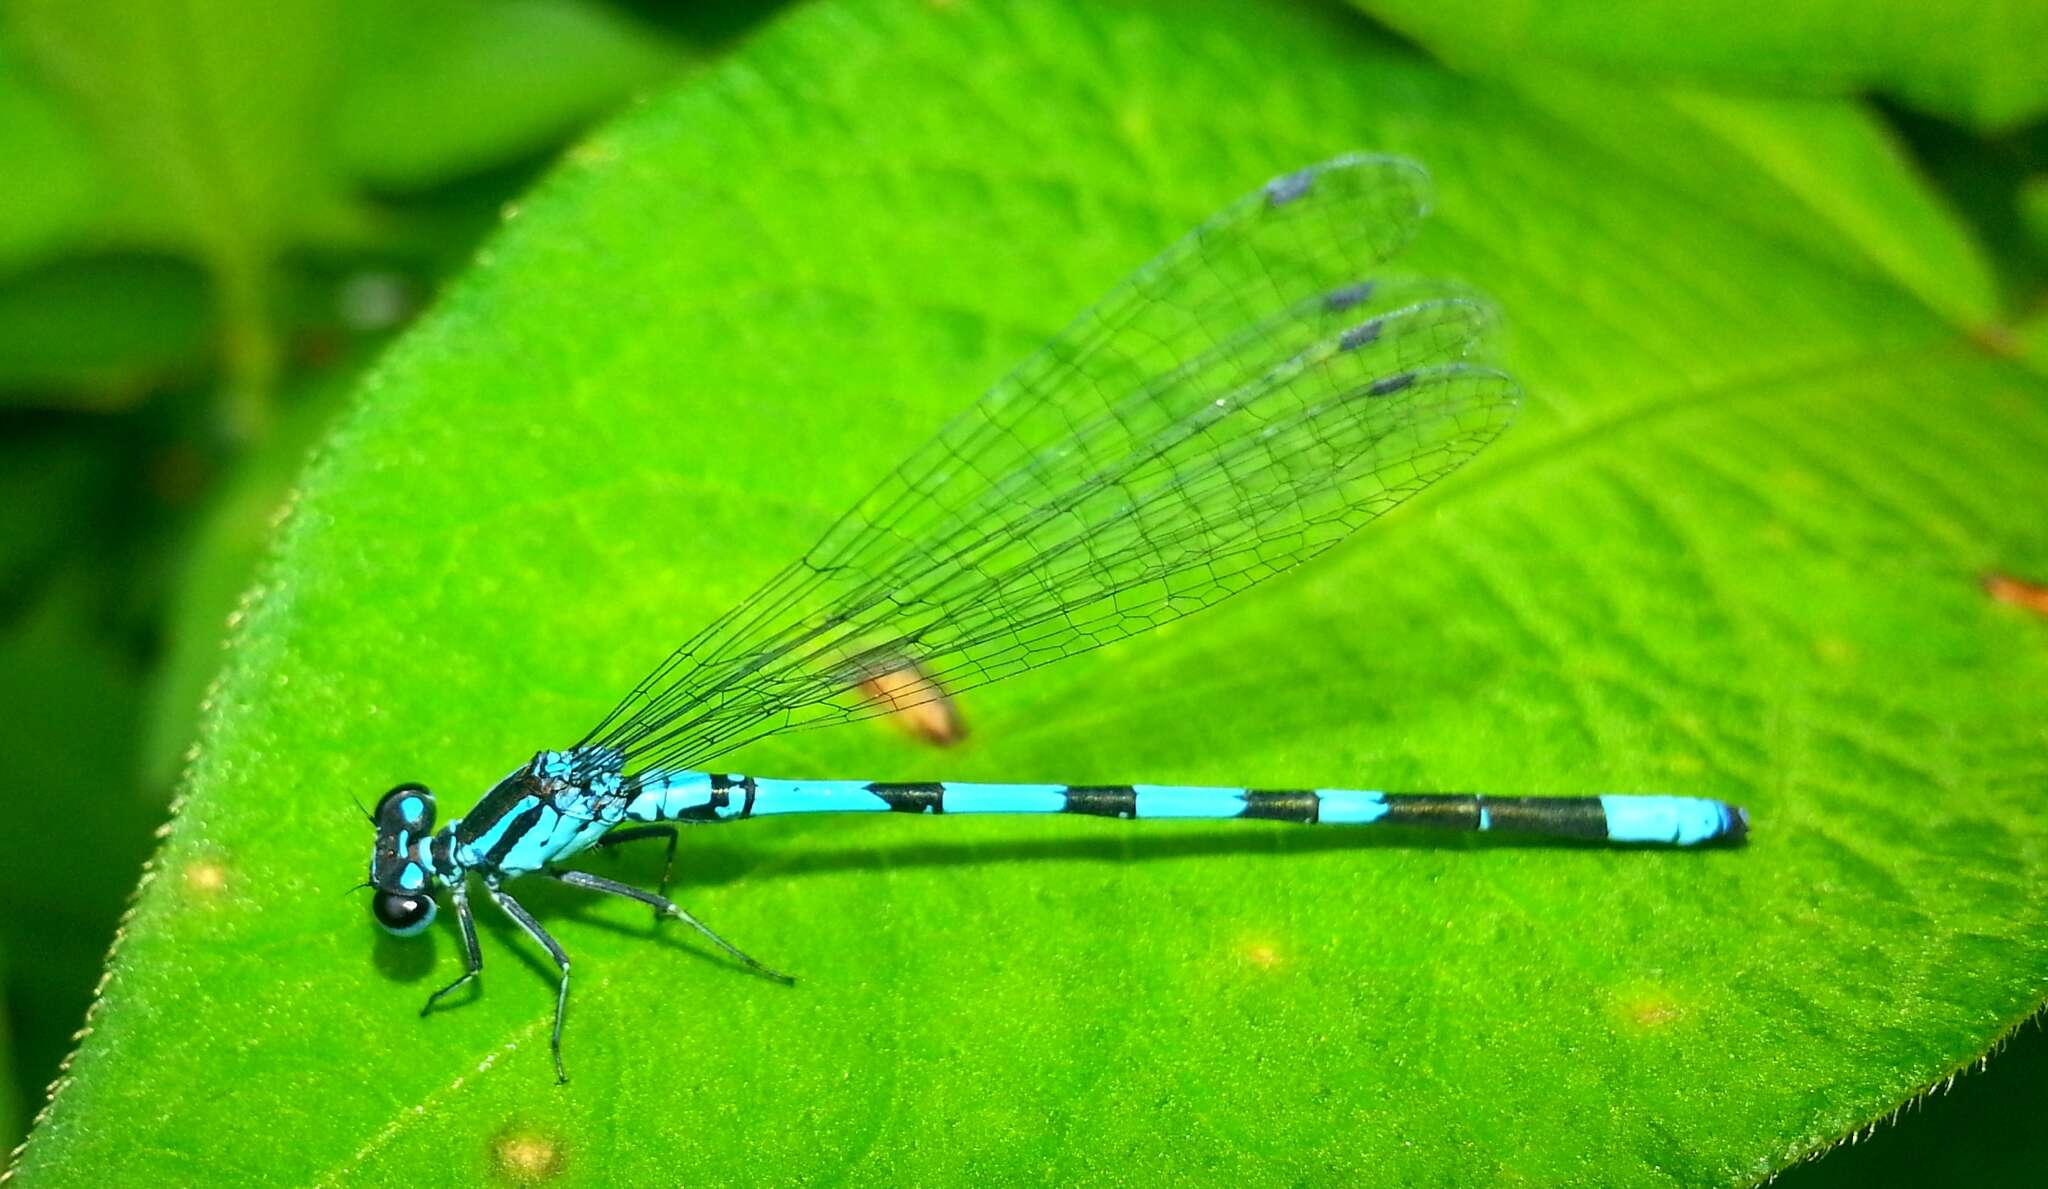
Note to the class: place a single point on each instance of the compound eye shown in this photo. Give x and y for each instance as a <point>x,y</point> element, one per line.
<point>403,913</point>
<point>407,807</point>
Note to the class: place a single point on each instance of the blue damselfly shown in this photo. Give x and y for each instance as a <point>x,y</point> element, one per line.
<point>1240,404</point>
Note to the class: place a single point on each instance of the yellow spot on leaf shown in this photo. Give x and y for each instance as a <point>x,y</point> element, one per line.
<point>1650,1009</point>
<point>1262,954</point>
<point>206,877</point>
<point>526,1157</point>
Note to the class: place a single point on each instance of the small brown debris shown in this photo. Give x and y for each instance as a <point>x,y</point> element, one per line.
<point>920,705</point>
<point>2018,592</point>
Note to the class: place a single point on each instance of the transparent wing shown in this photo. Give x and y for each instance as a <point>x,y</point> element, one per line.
<point>1239,405</point>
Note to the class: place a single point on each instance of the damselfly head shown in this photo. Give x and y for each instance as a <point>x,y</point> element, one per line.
<point>409,807</point>
<point>404,903</point>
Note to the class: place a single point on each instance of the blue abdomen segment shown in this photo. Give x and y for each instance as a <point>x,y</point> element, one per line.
<point>1676,821</point>
<point>1679,821</point>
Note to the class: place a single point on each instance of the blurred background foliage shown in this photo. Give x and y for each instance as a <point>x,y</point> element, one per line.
<point>216,212</point>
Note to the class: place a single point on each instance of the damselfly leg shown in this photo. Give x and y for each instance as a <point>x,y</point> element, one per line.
<point>472,954</point>
<point>666,907</point>
<point>524,920</point>
<point>635,834</point>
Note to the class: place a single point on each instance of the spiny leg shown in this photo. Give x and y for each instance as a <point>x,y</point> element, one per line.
<point>473,956</point>
<point>666,907</point>
<point>635,834</point>
<point>524,920</point>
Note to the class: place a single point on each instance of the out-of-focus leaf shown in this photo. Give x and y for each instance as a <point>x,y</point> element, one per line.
<point>1825,176</point>
<point>78,828</point>
<point>447,88</point>
<point>1732,548</point>
<point>2034,212</point>
<point>12,1122</point>
<point>220,565</point>
<point>1984,180</point>
<point>1847,174</point>
<point>50,485</point>
<point>214,112</point>
<point>97,332</point>
<point>2033,342</point>
<point>69,699</point>
<point>233,133</point>
<point>215,115</point>
<point>1975,62</point>
<point>55,181</point>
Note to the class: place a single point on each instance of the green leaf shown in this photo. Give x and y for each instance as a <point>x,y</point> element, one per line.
<point>1732,549</point>
<point>1979,63</point>
<point>1978,1130</point>
<point>450,88</point>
